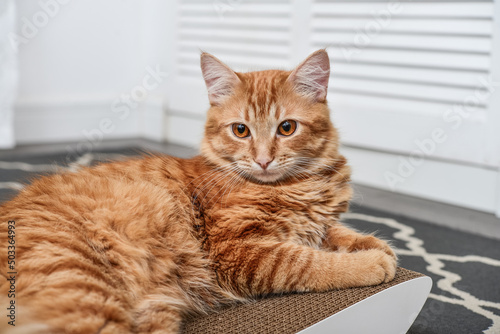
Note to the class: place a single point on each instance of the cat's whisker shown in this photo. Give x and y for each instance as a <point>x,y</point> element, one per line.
<point>297,173</point>
<point>308,162</point>
<point>209,185</point>
<point>324,182</point>
<point>236,179</point>
<point>211,173</point>
<point>213,170</point>
<point>213,181</point>
<point>235,183</point>
<point>305,173</point>
<point>300,174</point>
<point>219,179</point>
<point>236,175</point>
<point>207,176</point>
<point>304,160</point>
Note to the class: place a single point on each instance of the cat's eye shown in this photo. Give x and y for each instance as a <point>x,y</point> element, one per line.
<point>241,130</point>
<point>287,128</point>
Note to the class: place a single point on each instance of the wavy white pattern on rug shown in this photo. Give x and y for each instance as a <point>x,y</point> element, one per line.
<point>11,185</point>
<point>436,265</point>
<point>29,167</point>
<point>84,160</point>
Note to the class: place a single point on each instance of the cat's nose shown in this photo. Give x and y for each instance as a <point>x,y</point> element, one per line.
<point>264,162</point>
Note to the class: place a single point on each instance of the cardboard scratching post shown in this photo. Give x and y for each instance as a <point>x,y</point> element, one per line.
<point>387,308</point>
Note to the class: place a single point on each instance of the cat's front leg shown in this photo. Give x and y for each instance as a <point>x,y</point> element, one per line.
<point>159,314</point>
<point>252,268</point>
<point>343,239</point>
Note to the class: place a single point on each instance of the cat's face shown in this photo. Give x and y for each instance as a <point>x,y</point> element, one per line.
<point>269,125</point>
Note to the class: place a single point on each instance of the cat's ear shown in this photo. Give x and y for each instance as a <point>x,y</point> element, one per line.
<point>310,78</point>
<point>219,78</point>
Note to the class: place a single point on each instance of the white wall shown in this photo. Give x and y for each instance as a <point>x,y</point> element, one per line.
<point>77,59</point>
<point>8,73</point>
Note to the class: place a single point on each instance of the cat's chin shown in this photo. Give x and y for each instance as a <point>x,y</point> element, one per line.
<point>267,176</point>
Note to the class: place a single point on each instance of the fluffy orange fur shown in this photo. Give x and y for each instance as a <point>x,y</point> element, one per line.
<point>134,246</point>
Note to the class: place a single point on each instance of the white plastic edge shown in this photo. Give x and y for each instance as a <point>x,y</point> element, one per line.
<point>391,311</point>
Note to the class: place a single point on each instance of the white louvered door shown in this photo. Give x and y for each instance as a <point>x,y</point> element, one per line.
<point>247,35</point>
<point>403,73</point>
<point>397,78</point>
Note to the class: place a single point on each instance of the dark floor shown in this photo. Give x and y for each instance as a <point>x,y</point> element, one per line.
<point>465,268</point>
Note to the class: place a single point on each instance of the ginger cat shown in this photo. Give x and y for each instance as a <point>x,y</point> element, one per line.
<point>134,246</point>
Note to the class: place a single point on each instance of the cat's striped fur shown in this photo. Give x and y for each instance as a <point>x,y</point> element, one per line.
<point>133,246</point>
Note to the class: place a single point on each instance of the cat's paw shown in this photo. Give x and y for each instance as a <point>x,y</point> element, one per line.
<point>386,247</point>
<point>379,267</point>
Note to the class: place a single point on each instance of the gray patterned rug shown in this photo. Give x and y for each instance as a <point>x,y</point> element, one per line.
<point>465,268</point>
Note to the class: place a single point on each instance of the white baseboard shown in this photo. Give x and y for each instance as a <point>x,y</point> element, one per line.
<point>467,186</point>
<point>6,136</point>
<point>153,124</point>
<point>89,120</point>
<point>452,216</point>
